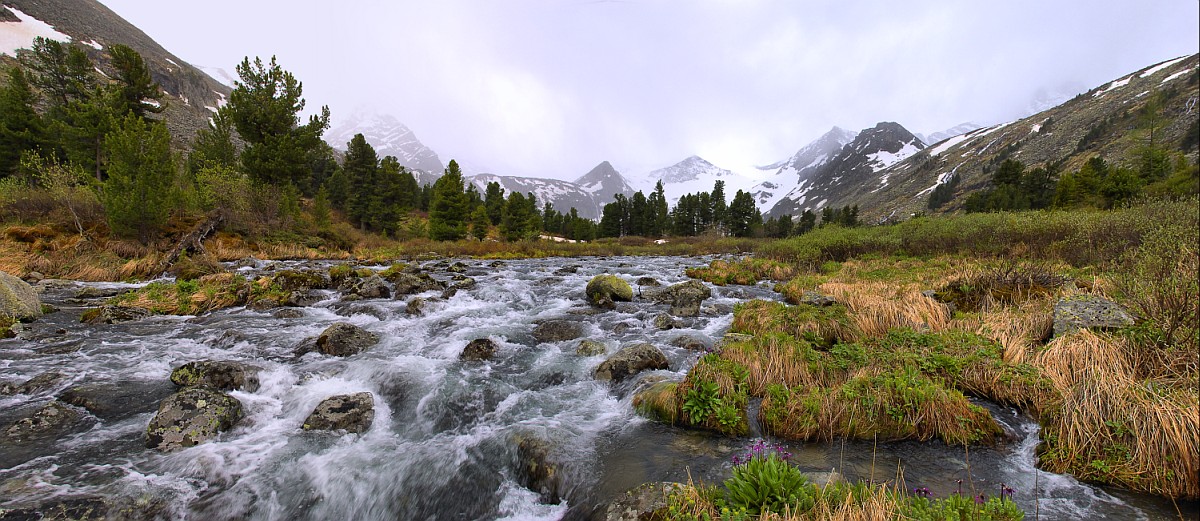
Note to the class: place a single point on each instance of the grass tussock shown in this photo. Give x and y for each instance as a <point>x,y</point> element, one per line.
<point>189,297</point>
<point>875,308</point>
<point>1115,428</point>
<point>1008,284</point>
<point>746,271</point>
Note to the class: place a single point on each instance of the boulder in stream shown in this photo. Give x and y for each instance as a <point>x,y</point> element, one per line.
<point>648,501</point>
<point>631,360</point>
<point>51,419</point>
<point>590,348</point>
<point>113,314</point>
<point>222,375</point>
<point>369,287</point>
<point>349,412</point>
<point>604,290</point>
<point>557,330</point>
<point>684,298</point>
<point>345,339</point>
<point>410,283</point>
<point>118,400</point>
<point>18,299</point>
<point>37,384</point>
<point>537,469</point>
<point>479,349</point>
<point>191,417</point>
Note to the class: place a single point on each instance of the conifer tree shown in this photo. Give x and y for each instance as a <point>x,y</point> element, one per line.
<point>493,199</point>
<point>514,224</point>
<point>21,127</point>
<point>719,207</point>
<point>213,147</point>
<point>448,206</point>
<point>659,212</point>
<point>264,109</point>
<point>140,176</point>
<point>361,168</point>
<point>479,223</point>
<point>62,71</point>
<point>134,86</point>
<point>386,208</point>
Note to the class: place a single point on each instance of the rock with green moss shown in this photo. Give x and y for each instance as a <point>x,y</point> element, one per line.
<point>345,339</point>
<point>648,501</point>
<point>479,349</point>
<point>348,412</point>
<point>590,348</point>
<point>1089,312</point>
<point>538,468</point>
<point>630,361</point>
<point>684,298</point>
<point>18,300</point>
<point>410,283</point>
<point>54,418</point>
<point>191,417</point>
<point>113,314</point>
<point>604,290</point>
<point>301,281</point>
<point>222,375</point>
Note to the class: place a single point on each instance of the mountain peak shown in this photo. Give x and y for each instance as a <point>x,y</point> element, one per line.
<point>603,181</point>
<point>388,136</point>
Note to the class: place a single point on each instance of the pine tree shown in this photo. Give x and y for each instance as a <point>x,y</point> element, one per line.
<point>639,214</point>
<point>136,90</point>
<point>493,199</point>
<point>264,109</point>
<point>660,213</point>
<point>448,206</point>
<point>140,176</point>
<point>719,207</point>
<point>361,168</point>
<point>21,128</point>
<point>479,223</point>
<point>386,208</point>
<point>742,216</point>
<point>322,215</point>
<point>62,71</point>
<point>213,147</point>
<point>808,221</point>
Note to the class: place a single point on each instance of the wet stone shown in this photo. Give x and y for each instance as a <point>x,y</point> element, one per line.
<point>191,417</point>
<point>222,375</point>
<point>557,331</point>
<point>54,418</point>
<point>630,361</point>
<point>479,349</point>
<point>117,400</point>
<point>345,339</point>
<point>349,412</point>
<point>288,313</point>
<point>590,348</point>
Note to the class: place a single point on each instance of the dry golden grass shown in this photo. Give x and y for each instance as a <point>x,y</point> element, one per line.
<point>877,307</point>
<point>1113,426</point>
<point>880,502</point>
<point>774,360</point>
<point>1019,329</point>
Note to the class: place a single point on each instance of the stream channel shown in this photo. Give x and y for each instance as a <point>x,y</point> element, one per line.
<point>442,443</point>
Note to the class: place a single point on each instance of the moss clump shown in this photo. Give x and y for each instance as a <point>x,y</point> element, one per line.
<point>6,323</point>
<point>603,290</point>
<point>340,272</point>
<point>658,402</point>
<point>185,297</point>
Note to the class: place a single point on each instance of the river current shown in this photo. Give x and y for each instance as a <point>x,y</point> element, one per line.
<point>442,445</point>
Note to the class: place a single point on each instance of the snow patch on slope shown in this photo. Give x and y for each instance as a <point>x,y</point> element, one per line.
<point>948,144</point>
<point>1161,66</point>
<point>1177,75</point>
<point>20,35</point>
<point>883,159</point>
<point>1114,85</point>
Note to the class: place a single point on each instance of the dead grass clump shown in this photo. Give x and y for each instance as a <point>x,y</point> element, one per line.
<point>1004,285</point>
<point>875,308</point>
<point>1019,329</point>
<point>658,402</point>
<point>778,360</point>
<point>1114,428</point>
<point>823,326</point>
<point>746,271</point>
<point>29,234</point>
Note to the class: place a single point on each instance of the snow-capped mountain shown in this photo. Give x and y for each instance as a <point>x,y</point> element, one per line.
<point>604,182</point>
<point>792,171</point>
<point>692,175</point>
<point>564,195</point>
<point>389,137</point>
<point>865,161</point>
<point>956,130</point>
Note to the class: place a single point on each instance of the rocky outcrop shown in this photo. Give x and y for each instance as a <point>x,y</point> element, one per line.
<point>369,287</point>
<point>18,299</point>
<point>479,349</point>
<point>53,418</point>
<point>345,339</point>
<point>813,298</point>
<point>630,361</point>
<point>648,501</point>
<point>684,298</point>
<point>664,322</point>
<point>349,412</point>
<point>557,331</point>
<point>409,283</point>
<point>590,348</point>
<point>222,375</point>
<point>1088,312</point>
<point>605,290</point>
<point>37,384</point>
<point>191,417</point>
<point>537,470</point>
<point>113,314</point>
<point>301,281</point>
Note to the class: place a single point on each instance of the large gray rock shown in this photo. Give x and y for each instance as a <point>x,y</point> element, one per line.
<point>631,360</point>
<point>37,384</point>
<point>684,298</point>
<point>537,468</point>
<point>604,290</point>
<point>590,348</point>
<point>1088,312</point>
<point>348,412</point>
<point>55,417</point>
<point>118,400</point>
<point>114,314</point>
<point>648,501</point>
<point>479,349</point>
<point>191,417</point>
<point>18,299</point>
<point>302,281</point>
<point>410,283</point>
<point>222,375</point>
<point>345,339</point>
<point>557,331</point>
<point>369,287</point>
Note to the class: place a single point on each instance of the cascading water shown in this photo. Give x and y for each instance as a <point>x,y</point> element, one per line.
<point>445,440</point>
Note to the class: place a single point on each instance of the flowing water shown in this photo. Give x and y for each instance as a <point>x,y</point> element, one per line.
<point>443,444</point>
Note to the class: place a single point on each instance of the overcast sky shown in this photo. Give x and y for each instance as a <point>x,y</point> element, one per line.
<point>549,88</point>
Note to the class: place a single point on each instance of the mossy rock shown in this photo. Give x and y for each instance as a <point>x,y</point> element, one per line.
<point>222,375</point>
<point>18,300</point>
<point>590,348</point>
<point>293,280</point>
<point>191,417</point>
<point>658,402</point>
<point>604,290</point>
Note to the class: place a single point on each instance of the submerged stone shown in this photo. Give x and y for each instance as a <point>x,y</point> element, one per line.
<point>349,412</point>
<point>630,361</point>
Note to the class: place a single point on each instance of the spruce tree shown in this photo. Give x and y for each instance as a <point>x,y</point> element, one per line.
<point>479,223</point>
<point>514,224</point>
<point>264,109</point>
<point>62,71</point>
<point>719,206</point>
<point>21,128</point>
<point>134,86</point>
<point>448,206</point>
<point>140,176</point>
<point>361,168</point>
<point>213,147</point>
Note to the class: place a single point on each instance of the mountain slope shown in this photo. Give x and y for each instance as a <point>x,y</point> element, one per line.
<point>192,95</point>
<point>564,195</point>
<point>692,175</point>
<point>1101,122</point>
<point>790,172</point>
<point>604,182</point>
<point>865,162</point>
<point>389,137</point>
